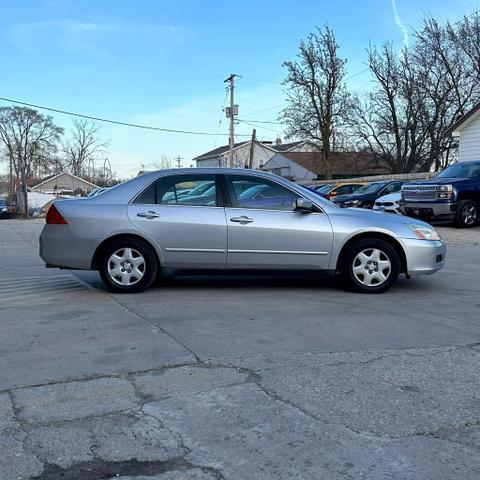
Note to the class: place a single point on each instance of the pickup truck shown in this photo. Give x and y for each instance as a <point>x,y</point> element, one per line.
<point>453,195</point>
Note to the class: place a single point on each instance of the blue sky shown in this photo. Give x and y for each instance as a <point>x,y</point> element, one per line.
<point>163,62</point>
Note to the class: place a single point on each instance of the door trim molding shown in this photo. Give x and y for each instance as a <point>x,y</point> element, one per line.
<point>205,250</point>
<point>280,252</point>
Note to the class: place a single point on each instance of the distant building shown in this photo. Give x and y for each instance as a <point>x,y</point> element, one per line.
<point>306,167</point>
<point>467,131</point>
<point>63,184</point>
<point>262,153</point>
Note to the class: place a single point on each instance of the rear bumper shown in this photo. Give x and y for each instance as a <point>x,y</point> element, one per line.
<point>444,210</point>
<point>424,257</point>
<point>59,247</point>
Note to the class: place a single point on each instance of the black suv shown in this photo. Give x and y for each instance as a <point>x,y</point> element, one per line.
<point>453,195</point>
<point>365,196</point>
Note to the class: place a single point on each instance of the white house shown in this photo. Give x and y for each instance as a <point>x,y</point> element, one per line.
<point>467,131</point>
<point>262,153</point>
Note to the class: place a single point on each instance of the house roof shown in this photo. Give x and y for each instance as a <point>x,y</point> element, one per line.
<point>461,121</point>
<point>51,177</point>
<point>342,162</point>
<point>218,151</point>
<point>282,147</point>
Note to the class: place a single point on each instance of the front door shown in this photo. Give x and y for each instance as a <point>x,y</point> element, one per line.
<point>183,215</point>
<point>265,231</point>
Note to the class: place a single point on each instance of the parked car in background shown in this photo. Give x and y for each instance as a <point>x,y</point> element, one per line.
<point>96,191</point>
<point>388,203</point>
<point>4,210</point>
<point>133,230</point>
<point>333,190</point>
<point>453,195</point>
<point>365,196</point>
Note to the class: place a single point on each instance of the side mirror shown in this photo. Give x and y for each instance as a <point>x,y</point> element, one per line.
<point>303,205</point>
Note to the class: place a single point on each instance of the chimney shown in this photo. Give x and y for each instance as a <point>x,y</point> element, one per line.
<point>278,141</point>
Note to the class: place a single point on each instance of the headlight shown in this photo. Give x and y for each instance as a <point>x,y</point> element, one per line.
<point>445,191</point>
<point>351,203</point>
<point>425,233</point>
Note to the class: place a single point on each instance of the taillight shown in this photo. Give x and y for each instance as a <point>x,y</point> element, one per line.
<point>54,217</point>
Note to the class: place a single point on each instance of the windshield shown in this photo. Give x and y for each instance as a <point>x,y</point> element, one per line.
<point>325,188</point>
<point>372,188</point>
<point>461,170</point>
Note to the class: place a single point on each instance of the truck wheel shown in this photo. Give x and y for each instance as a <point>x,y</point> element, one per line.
<point>466,215</point>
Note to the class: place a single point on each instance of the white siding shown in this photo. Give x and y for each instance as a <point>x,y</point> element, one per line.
<point>469,144</point>
<point>208,162</point>
<point>287,168</point>
<point>64,182</point>
<point>241,157</point>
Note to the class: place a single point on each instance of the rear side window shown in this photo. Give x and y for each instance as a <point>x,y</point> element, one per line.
<point>193,190</point>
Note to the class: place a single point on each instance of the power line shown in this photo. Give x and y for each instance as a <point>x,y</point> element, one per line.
<point>222,110</point>
<point>357,74</point>
<point>265,110</point>
<point>260,80</point>
<point>253,125</point>
<point>115,122</point>
<point>260,121</point>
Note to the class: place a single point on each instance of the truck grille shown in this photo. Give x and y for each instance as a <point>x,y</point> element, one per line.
<point>419,193</point>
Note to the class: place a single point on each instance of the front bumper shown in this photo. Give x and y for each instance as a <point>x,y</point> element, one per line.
<point>444,210</point>
<point>424,257</point>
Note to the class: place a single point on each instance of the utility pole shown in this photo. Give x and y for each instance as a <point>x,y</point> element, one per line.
<point>252,148</point>
<point>178,159</point>
<point>231,112</point>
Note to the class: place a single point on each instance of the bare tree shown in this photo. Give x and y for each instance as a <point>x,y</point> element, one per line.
<point>164,163</point>
<point>449,81</point>
<point>318,101</point>
<point>30,140</point>
<point>83,145</point>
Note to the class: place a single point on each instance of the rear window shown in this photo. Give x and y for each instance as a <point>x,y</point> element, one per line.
<point>193,190</point>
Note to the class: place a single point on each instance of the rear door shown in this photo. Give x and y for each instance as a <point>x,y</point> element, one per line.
<point>265,231</point>
<point>185,215</point>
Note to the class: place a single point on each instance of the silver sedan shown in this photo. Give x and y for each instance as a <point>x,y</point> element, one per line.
<point>232,219</point>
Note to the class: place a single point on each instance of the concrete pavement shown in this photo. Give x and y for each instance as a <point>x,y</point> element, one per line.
<point>237,377</point>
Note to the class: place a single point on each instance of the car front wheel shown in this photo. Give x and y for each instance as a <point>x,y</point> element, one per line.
<point>128,266</point>
<point>370,266</point>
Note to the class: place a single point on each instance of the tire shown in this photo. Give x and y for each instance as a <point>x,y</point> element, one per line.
<point>128,266</point>
<point>359,261</point>
<point>466,215</point>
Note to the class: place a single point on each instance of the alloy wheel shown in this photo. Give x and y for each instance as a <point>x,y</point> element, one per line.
<point>469,214</point>
<point>126,266</point>
<point>372,267</point>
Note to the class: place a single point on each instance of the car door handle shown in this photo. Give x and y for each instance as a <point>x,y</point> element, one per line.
<point>150,214</point>
<point>243,220</point>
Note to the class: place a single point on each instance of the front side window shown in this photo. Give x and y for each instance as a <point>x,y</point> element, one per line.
<point>259,193</point>
<point>193,190</point>
<point>392,188</point>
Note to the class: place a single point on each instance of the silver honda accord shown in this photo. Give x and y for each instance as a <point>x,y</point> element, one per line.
<point>232,219</point>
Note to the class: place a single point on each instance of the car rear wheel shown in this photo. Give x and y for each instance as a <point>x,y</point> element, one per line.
<point>128,266</point>
<point>466,215</point>
<point>370,266</point>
